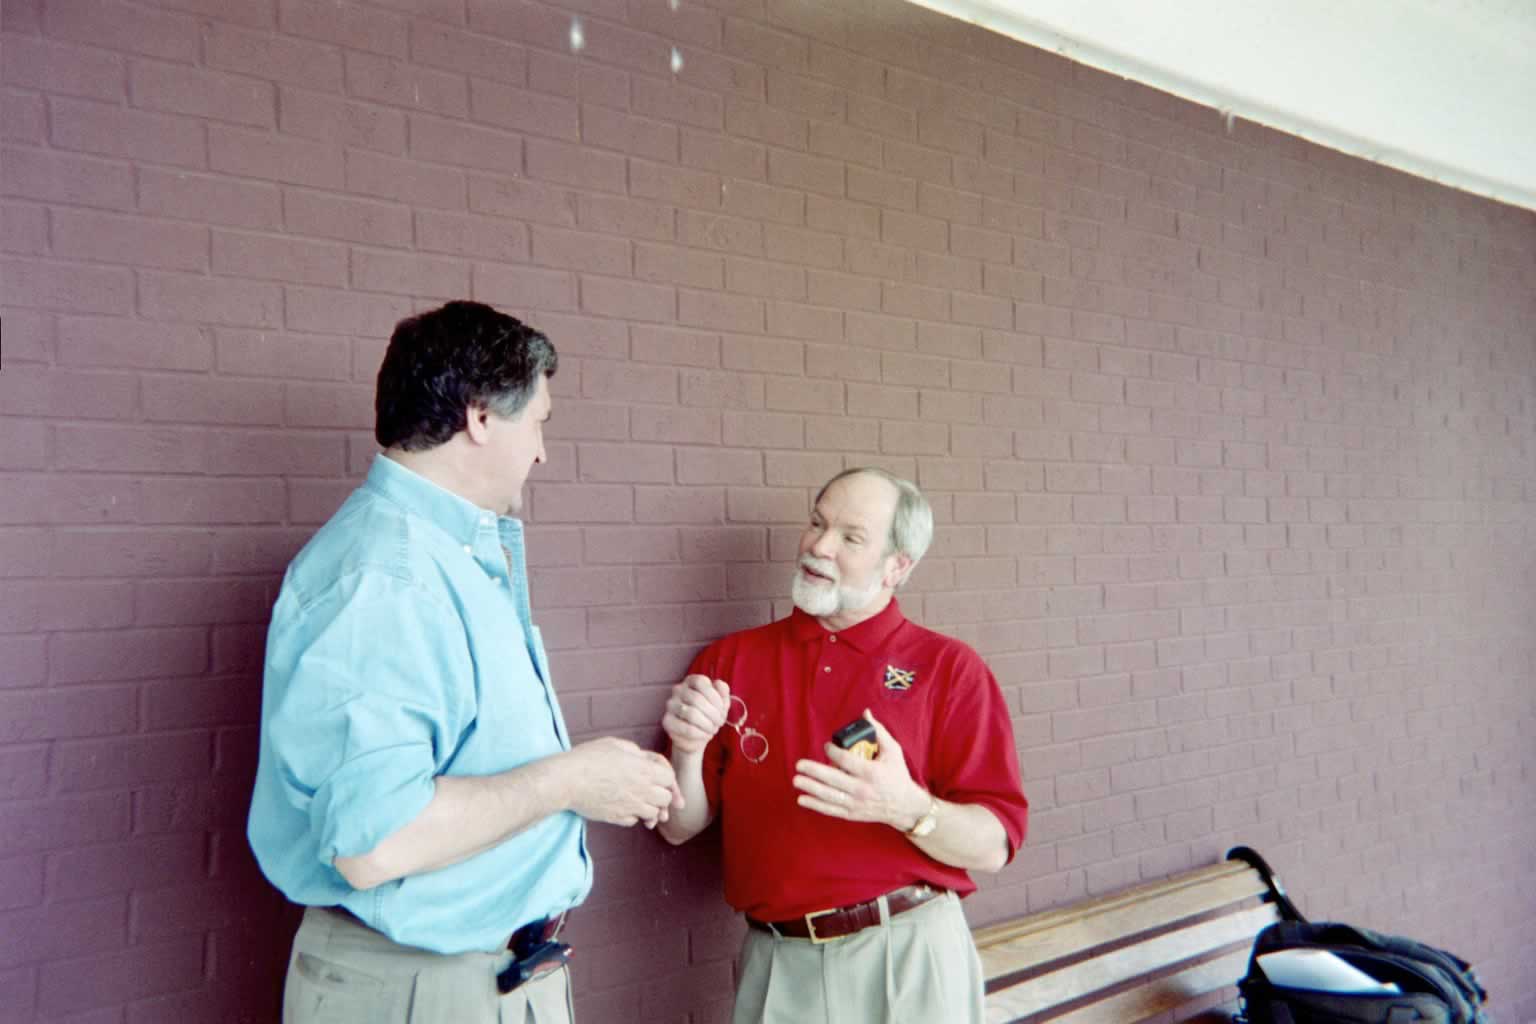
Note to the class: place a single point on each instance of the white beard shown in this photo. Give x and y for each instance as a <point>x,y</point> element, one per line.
<point>821,599</point>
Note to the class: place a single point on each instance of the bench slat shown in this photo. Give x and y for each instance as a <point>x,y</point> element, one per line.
<point>1051,935</point>
<point>1113,968</point>
<point>1165,994</point>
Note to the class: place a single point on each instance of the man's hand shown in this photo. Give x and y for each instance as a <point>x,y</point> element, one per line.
<point>615,782</point>
<point>856,789</point>
<point>609,780</point>
<point>696,710</point>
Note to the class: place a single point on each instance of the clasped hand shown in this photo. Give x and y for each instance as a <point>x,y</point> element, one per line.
<point>696,709</point>
<point>618,783</point>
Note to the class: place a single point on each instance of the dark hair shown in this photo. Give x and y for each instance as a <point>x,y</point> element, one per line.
<point>441,362</point>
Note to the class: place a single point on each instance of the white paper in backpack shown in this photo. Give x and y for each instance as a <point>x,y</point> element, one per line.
<point>1321,971</point>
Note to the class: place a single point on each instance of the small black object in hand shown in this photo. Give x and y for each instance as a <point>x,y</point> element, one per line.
<point>858,737</point>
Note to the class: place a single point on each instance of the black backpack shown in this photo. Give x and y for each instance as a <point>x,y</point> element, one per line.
<point>1436,987</point>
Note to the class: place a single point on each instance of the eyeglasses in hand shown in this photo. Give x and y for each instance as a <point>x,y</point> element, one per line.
<point>754,745</point>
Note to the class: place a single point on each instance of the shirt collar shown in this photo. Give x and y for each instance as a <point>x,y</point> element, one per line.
<point>867,636</point>
<point>458,517</point>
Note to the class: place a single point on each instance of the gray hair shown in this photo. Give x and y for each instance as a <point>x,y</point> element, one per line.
<point>541,361</point>
<point>912,520</point>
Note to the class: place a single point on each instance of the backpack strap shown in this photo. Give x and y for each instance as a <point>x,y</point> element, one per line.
<point>1277,896</point>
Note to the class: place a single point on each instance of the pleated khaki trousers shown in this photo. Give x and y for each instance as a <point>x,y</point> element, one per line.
<point>343,972</point>
<point>919,967</point>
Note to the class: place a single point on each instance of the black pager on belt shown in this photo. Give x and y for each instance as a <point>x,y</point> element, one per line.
<point>858,737</point>
<point>534,952</point>
<point>541,959</point>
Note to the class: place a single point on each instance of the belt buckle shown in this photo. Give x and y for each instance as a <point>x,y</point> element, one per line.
<point>810,925</point>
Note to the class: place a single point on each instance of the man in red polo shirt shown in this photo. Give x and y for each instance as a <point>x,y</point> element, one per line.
<point>848,869</point>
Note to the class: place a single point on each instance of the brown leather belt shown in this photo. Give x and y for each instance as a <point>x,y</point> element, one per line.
<point>823,925</point>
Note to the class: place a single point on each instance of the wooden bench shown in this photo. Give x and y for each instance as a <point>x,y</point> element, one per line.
<point>1170,949</point>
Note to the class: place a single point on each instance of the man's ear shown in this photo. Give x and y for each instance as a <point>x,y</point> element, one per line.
<point>477,423</point>
<point>897,571</point>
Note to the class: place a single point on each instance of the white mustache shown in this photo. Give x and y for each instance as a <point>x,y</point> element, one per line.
<point>822,566</point>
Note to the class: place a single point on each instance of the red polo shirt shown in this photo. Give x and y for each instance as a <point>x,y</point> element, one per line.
<point>801,683</point>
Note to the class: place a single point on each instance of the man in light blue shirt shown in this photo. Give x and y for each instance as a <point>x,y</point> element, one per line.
<point>417,790</point>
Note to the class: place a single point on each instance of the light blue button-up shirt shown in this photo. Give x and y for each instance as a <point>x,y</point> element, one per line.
<point>402,647</point>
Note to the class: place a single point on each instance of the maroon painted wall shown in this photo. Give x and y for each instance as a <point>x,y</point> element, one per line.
<point>1231,439</point>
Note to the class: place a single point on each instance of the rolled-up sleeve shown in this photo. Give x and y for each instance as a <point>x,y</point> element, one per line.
<point>375,705</point>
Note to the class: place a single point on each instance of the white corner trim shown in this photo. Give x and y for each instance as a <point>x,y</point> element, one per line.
<point>1441,89</point>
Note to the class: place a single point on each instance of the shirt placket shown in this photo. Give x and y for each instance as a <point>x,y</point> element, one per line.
<point>487,538</point>
<point>832,660</point>
<point>511,542</point>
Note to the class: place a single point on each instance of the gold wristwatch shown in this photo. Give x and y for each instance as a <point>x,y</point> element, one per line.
<point>928,822</point>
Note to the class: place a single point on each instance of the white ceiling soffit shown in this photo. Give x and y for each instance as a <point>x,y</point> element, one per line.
<point>1443,89</point>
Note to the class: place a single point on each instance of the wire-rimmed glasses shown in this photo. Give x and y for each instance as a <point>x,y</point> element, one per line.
<point>754,745</point>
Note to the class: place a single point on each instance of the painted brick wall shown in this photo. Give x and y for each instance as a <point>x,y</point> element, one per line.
<point>1230,438</point>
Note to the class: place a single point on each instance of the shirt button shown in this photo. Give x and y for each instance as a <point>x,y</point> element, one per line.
<point>468,550</point>
<point>827,669</point>
<point>833,638</point>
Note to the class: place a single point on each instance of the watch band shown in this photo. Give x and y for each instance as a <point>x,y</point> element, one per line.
<point>926,822</point>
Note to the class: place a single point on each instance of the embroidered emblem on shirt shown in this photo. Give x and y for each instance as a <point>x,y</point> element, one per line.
<point>899,678</point>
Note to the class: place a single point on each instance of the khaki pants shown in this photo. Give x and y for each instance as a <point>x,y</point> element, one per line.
<point>919,968</point>
<point>343,972</point>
